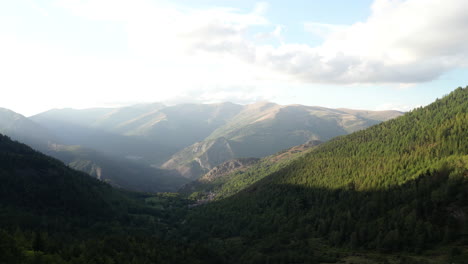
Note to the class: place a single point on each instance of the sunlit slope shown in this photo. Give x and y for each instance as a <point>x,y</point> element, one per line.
<point>235,175</point>
<point>390,153</point>
<point>398,186</point>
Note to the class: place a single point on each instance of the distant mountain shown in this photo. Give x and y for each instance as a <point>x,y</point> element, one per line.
<point>195,160</point>
<point>74,127</point>
<point>151,132</point>
<point>265,128</point>
<point>118,117</point>
<point>193,138</point>
<point>23,129</point>
<point>181,125</point>
<point>127,173</point>
<point>271,127</point>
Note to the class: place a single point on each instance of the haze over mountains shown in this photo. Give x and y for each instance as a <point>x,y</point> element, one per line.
<point>263,129</point>
<point>24,129</point>
<point>152,147</point>
<point>193,138</point>
<point>114,169</point>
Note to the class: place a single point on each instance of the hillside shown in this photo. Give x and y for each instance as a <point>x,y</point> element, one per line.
<point>36,182</point>
<point>103,141</point>
<point>401,186</point>
<point>263,129</point>
<point>227,168</point>
<point>150,132</point>
<point>199,158</point>
<point>119,172</point>
<point>236,175</point>
<point>181,125</point>
<point>50,213</point>
<point>323,123</point>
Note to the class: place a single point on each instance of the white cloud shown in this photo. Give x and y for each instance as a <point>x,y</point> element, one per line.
<point>401,42</point>
<point>323,30</point>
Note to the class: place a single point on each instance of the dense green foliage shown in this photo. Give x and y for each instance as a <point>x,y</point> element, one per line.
<point>50,213</point>
<point>398,186</point>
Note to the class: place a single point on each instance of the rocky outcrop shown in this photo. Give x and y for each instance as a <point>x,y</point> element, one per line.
<point>196,160</point>
<point>227,168</point>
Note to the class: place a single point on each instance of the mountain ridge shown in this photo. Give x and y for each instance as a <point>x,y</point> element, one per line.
<point>265,128</point>
<point>120,172</point>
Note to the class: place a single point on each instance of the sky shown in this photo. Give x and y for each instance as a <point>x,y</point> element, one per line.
<point>361,54</point>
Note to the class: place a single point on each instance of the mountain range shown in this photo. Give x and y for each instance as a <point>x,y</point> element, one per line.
<point>114,169</point>
<point>153,147</point>
<point>262,129</point>
<point>396,192</point>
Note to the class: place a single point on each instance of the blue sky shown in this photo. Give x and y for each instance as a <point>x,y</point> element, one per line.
<point>383,54</point>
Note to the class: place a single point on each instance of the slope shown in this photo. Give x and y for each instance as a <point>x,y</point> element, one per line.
<point>199,158</point>
<point>181,125</point>
<point>119,172</point>
<point>50,213</point>
<point>236,175</point>
<point>401,186</point>
<point>151,132</point>
<point>39,183</point>
<point>70,133</point>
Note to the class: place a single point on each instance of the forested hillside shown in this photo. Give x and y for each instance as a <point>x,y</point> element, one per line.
<point>118,172</point>
<point>50,213</point>
<point>234,176</point>
<point>401,186</point>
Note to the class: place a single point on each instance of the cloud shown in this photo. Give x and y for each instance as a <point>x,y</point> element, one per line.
<point>323,30</point>
<point>174,52</point>
<point>409,41</point>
